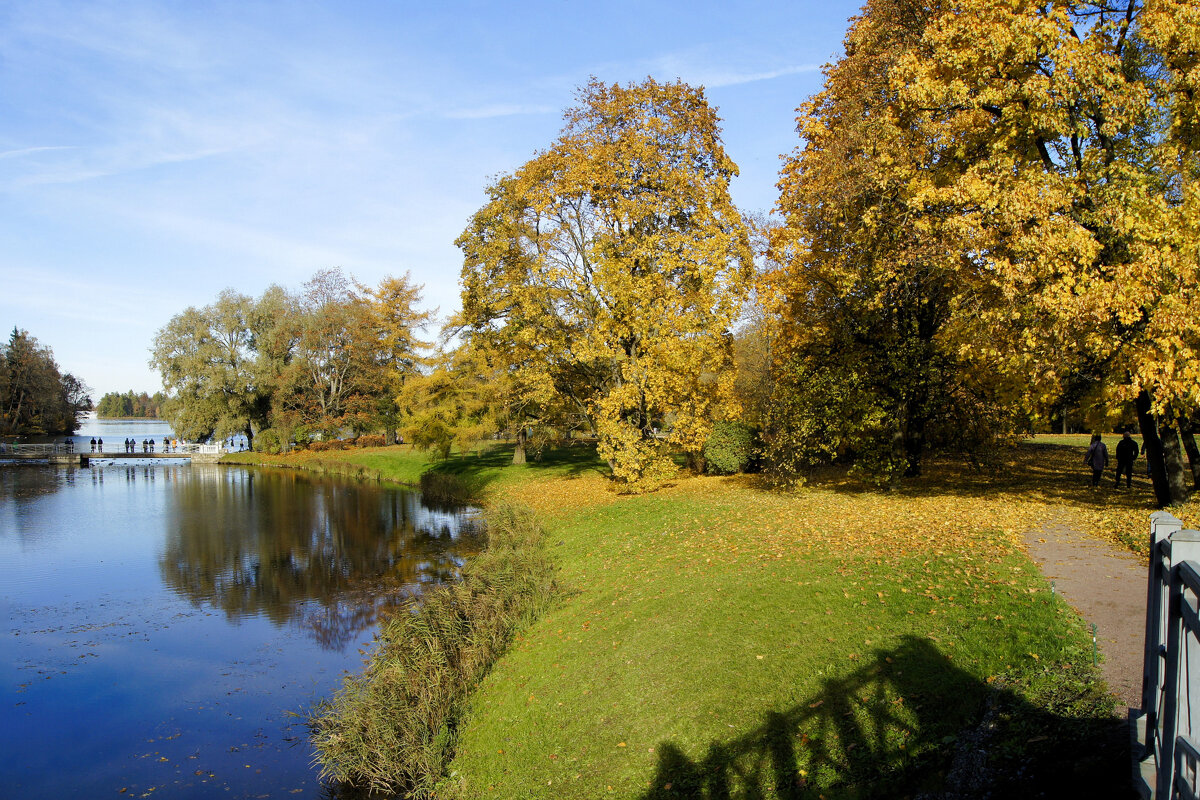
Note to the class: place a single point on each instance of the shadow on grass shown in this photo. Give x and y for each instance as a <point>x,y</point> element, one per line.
<point>911,724</point>
<point>476,471</point>
<point>1032,470</point>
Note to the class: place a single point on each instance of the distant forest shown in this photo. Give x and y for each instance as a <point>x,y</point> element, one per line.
<point>35,398</point>
<point>139,406</point>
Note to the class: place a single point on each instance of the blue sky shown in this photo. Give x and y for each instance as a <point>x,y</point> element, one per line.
<point>154,153</point>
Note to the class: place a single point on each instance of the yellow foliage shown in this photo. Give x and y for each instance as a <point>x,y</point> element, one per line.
<point>611,265</point>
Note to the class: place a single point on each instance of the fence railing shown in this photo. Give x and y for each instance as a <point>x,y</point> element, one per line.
<point>1167,727</point>
<point>60,447</point>
<point>36,449</point>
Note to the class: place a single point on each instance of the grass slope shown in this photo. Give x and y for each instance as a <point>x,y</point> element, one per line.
<point>719,640</point>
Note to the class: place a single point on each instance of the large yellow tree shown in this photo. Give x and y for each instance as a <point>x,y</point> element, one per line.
<point>1075,126</point>
<point>879,293</point>
<point>611,267</point>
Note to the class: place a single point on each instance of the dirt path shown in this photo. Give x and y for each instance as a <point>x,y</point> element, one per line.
<point>1108,588</point>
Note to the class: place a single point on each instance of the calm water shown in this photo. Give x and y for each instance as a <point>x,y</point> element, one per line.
<point>166,622</point>
<point>115,431</point>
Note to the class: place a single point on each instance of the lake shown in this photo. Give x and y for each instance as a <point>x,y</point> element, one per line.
<point>170,624</point>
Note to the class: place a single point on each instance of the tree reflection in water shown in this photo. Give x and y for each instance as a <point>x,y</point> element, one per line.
<point>327,555</point>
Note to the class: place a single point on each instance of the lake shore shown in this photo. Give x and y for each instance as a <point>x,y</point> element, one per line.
<point>834,638</point>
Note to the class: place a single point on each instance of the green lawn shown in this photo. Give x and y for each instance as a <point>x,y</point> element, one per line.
<point>726,641</point>
<point>721,639</point>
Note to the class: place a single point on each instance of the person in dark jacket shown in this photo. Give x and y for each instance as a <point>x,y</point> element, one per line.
<point>1096,458</point>
<point>1127,453</point>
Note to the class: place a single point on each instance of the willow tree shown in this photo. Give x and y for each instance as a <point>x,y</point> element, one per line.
<point>208,363</point>
<point>611,267</point>
<point>1074,124</point>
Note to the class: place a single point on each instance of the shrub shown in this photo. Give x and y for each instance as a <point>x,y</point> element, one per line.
<point>730,448</point>
<point>268,440</point>
<point>370,440</point>
<point>395,726</point>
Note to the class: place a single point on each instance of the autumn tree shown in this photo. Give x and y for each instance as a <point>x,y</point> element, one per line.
<point>35,397</point>
<point>757,337</point>
<point>611,267</point>
<point>451,404</point>
<point>395,321</point>
<point>878,291</point>
<point>1074,127</point>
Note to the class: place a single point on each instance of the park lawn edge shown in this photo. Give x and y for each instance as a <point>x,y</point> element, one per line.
<point>1043,671</point>
<point>687,652</point>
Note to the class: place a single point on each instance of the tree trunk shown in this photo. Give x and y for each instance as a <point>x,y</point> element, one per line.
<point>1173,456</point>
<point>1187,430</point>
<point>250,439</point>
<point>519,452</point>
<point>1153,449</point>
<point>1064,420</point>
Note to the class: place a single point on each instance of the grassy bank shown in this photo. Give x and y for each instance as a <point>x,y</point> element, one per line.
<point>720,639</point>
<point>396,724</point>
<point>487,472</point>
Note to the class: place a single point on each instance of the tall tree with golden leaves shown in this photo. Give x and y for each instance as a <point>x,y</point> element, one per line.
<point>611,267</point>
<point>1075,126</point>
<point>878,291</point>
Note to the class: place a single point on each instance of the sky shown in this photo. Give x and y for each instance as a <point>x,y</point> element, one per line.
<point>155,153</point>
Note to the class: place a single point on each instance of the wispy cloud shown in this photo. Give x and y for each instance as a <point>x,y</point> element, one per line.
<point>499,110</point>
<point>720,79</point>
<point>28,151</point>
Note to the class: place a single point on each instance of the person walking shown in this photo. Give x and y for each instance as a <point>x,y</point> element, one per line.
<point>93,444</point>
<point>99,445</point>
<point>1096,458</point>
<point>1127,453</point>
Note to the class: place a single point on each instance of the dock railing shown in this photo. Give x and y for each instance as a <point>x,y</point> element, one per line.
<point>56,448</point>
<point>1166,730</point>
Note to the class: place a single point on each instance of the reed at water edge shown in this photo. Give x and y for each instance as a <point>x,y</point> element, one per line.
<point>394,726</point>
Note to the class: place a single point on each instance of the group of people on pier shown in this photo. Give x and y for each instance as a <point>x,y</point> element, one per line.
<point>131,445</point>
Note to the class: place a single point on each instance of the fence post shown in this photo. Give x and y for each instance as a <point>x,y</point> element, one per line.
<point>1162,527</point>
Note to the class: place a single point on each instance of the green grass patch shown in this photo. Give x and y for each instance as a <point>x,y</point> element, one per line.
<point>478,470</point>
<point>716,639</point>
<point>703,653</point>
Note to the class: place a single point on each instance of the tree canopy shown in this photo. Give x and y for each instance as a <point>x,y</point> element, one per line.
<point>328,358</point>
<point>994,209</point>
<point>607,271</point>
<point>35,397</point>
<point>130,405</point>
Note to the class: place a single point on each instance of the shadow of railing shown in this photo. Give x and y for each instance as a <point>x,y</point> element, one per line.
<point>908,723</point>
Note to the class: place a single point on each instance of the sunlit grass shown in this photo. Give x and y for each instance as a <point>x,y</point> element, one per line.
<point>720,637</point>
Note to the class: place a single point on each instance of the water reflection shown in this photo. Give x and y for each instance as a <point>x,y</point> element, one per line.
<point>327,556</point>
<point>165,620</point>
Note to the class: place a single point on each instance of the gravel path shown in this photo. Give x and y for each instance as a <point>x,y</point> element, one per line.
<point>1108,588</point>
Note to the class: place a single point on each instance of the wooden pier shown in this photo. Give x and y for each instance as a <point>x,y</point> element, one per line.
<point>62,454</point>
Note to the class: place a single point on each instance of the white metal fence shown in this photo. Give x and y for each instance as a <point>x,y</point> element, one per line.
<point>1167,728</point>
<point>60,447</point>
